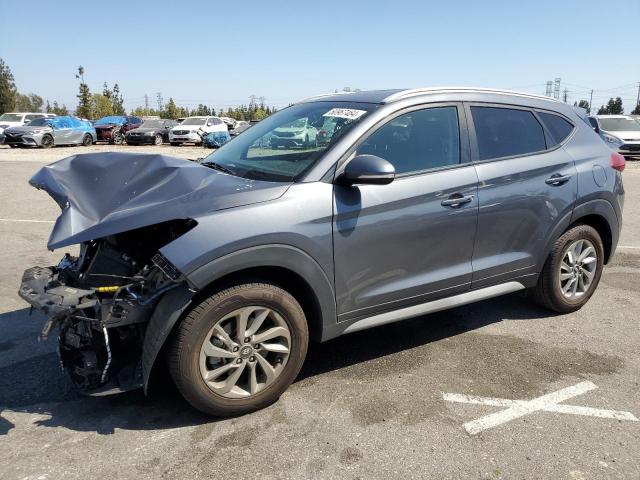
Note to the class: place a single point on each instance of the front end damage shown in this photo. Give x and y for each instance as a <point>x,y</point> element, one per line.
<point>114,305</point>
<point>100,302</point>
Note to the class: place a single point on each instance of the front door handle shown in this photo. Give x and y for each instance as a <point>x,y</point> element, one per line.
<point>557,179</point>
<point>456,200</point>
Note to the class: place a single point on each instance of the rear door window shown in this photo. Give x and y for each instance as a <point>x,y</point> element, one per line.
<point>506,132</point>
<point>558,127</point>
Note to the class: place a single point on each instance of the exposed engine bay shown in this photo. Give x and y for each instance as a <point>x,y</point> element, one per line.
<point>101,302</point>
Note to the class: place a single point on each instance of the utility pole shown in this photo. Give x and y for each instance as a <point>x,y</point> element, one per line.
<point>565,94</point>
<point>591,102</point>
<point>549,88</point>
<point>146,102</point>
<point>159,97</point>
<point>638,99</point>
<point>556,88</point>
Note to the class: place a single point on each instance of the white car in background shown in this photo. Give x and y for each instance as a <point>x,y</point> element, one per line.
<point>299,133</point>
<point>192,129</point>
<point>620,132</point>
<point>18,119</point>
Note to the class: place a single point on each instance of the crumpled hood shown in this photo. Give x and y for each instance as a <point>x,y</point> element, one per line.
<point>102,194</point>
<point>107,126</point>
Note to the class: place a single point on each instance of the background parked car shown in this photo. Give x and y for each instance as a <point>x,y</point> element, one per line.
<point>187,131</point>
<point>239,127</point>
<point>151,131</point>
<point>112,129</point>
<point>620,132</point>
<point>17,119</point>
<point>47,132</point>
<point>296,134</point>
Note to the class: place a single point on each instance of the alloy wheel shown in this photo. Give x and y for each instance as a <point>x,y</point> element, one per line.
<point>245,352</point>
<point>578,269</point>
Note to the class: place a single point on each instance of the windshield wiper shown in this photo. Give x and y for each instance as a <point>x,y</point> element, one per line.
<point>220,168</point>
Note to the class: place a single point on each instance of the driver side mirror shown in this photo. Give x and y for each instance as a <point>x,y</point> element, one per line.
<point>367,170</point>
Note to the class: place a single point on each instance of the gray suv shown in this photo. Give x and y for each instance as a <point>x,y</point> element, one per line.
<point>415,201</point>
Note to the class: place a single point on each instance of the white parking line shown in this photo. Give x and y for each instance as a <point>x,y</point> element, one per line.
<point>547,403</point>
<point>628,247</point>
<point>17,220</point>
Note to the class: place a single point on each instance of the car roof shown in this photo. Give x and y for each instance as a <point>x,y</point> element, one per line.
<point>392,95</point>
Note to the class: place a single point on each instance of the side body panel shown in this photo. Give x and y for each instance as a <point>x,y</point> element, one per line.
<point>519,210</point>
<point>396,244</point>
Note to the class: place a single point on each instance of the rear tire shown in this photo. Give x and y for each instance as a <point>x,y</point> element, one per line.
<point>572,271</point>
<point>257,367</point>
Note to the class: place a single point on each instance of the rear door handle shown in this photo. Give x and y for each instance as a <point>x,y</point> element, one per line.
<point>456,200</point>
<point>557,179</point>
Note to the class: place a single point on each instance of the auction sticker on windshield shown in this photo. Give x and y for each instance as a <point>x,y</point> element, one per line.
<point>349,113</point>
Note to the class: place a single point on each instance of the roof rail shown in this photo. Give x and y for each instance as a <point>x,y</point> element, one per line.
<point>421,91</point>
<point>322,95</point>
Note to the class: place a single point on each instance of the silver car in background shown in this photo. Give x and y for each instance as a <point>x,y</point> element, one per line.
<point>47,132</point>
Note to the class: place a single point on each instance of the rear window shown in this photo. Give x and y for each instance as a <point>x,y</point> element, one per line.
<point>558,127</point>
<point>505,132</point>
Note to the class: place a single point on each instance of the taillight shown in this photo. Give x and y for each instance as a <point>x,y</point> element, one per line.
<point>617,161</point>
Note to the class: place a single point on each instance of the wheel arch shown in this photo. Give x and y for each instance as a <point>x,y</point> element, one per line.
<point>600,215</point>
<point>288,267</point>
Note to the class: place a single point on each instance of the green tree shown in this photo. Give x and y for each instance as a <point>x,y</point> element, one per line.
<point>171,110</point>
<point>29,103</point>
<point>58,110</point>
<point>85,100</point>
<point>584,104</point>
<point>636,111</point>
<point>102,106</point>
<point>117,101</point>
<point>8,89</point>
<point>613,107</point>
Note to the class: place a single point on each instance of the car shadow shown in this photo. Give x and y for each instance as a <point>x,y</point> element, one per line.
<point>32,382</point>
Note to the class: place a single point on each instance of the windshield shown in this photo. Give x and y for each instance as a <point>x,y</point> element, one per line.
<point>194,121</point>
<point>300,123</point>
<point>111,120</point>
<point>268,152</point>
<point>10,117</point>
<point>619,124</point>
<point>39,122</point>
<point>153,124</point>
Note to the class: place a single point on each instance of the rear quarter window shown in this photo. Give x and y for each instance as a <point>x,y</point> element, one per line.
<point>558,127</point>
<point>505,132</point>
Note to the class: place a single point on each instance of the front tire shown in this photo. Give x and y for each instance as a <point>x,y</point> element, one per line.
<point>47,141</point>
<point>572,270</point>
<point>117,138</point>
<point>240,349</point>
<point>87,141</point>
<point>157,140</point>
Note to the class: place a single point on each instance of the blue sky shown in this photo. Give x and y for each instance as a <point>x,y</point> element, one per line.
<point>219,53</point>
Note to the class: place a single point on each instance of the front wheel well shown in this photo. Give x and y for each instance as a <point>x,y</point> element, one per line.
<point>282,277</point>
<point>601,226</point>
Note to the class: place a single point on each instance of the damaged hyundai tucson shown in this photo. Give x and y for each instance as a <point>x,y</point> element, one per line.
<point>224,269</point>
